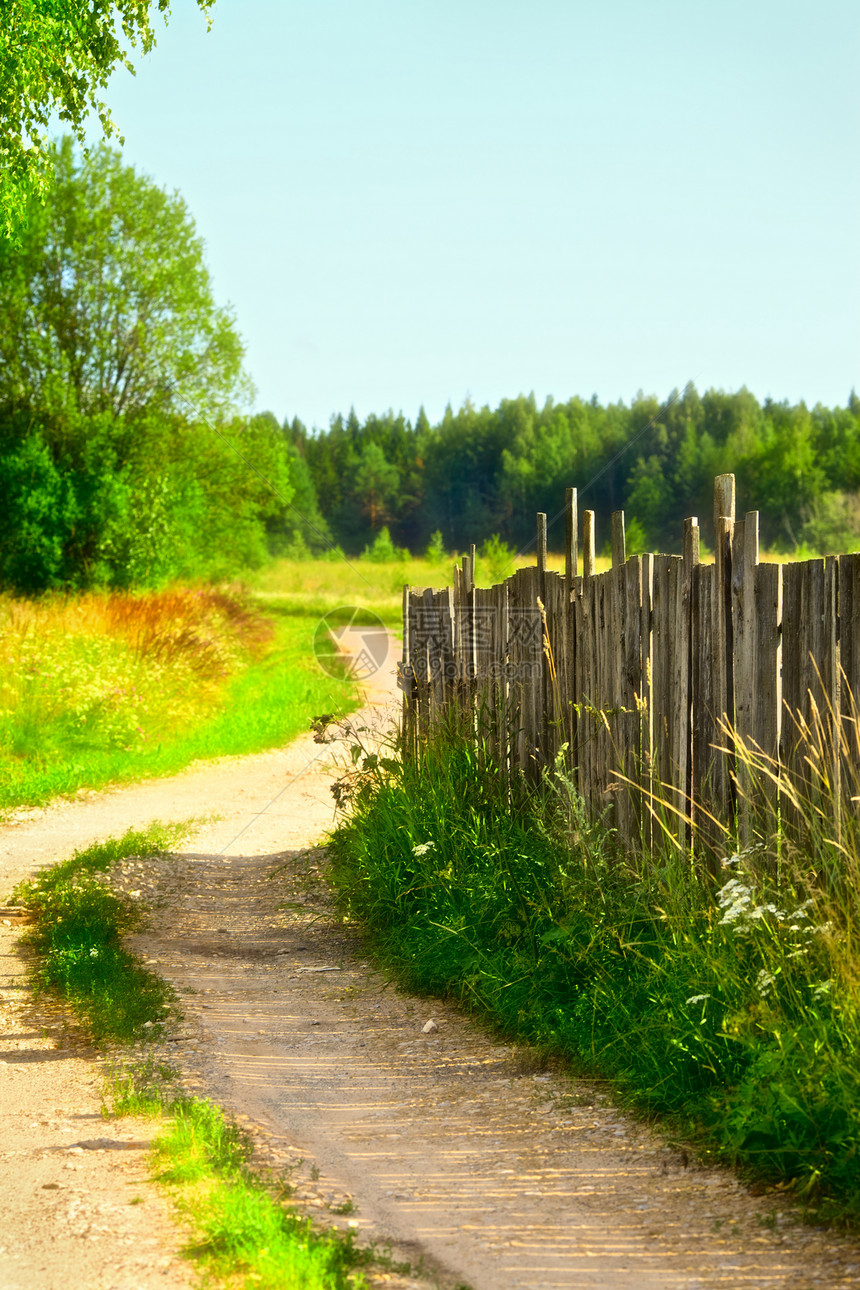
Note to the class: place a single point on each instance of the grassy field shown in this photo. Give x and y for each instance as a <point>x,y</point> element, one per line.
<point>319,586</point>
<point>323,585</point>
<point>96,689</point>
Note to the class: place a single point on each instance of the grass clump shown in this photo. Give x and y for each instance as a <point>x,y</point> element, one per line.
<point>730,1004</point>
<point>242,1227</point>
<point>78,925</point>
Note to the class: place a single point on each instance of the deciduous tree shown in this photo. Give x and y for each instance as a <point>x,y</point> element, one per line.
<point>122,457</point>
<point>56,57</point>
<point>106,303</point>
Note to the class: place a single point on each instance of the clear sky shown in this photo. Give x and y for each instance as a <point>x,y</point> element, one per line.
<point>415,201</point>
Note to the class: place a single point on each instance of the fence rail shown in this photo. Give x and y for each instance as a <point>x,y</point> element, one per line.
<point>653,676</point>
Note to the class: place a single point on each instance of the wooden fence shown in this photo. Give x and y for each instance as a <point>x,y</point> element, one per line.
<point>651,676</point>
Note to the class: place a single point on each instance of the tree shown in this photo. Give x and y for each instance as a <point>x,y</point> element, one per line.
<point>376,482</point>
<point>106,304</point>
<point>56,56</point>
<point>121,458</point>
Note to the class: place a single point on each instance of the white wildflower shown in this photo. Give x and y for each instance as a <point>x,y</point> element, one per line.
<point>736,899</point>
<point>764,981</point>
<point>698,998</point>
<point>760,911</point>
<point>423,847</point>
<point>733,890</point>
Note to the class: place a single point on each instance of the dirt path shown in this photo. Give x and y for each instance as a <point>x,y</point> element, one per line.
<point>454,1146</point>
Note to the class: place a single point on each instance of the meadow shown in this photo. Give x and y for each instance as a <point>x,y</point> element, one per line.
<point>102,688</point>
<point>323,585</point>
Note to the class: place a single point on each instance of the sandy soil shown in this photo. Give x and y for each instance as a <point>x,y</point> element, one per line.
<point>472,1160</point>
<point>77,1209</point>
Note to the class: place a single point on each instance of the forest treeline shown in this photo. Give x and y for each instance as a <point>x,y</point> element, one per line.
<point>483,471</point>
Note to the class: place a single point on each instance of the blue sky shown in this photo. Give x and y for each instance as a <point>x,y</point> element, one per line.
<point>413,202</point>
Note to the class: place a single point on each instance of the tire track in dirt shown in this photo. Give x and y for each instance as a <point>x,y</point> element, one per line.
<point>451,1144</point>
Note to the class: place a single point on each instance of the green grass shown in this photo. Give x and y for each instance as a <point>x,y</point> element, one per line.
<point>732,1007</point>
<point>102,690</point>
<point>241,1228</point>
<point>324,585</point>
<point>319,586</point>
<point>77,930</point>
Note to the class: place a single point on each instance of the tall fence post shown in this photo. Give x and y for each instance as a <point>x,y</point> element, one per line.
<point>567,671</point>
<point>723,646</point>
<point>849,662</point>
<point>541,553</point>
<point>588,544</point>
<point>544,716</point>
<point>406,679</point>
<point>744,574</point>
<point>570,540</point>
<point>619,540</point>
<point>684,672</point>
<point>586,680</point>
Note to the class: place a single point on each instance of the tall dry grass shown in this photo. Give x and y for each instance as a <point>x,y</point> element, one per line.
<point>103,687</point>
<point>113,670</point>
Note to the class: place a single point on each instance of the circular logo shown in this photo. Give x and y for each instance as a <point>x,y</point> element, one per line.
<point>351,644</point>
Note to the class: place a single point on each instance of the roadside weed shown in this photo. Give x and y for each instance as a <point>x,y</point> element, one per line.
<point>730,1004</point>
<point>77,938</point>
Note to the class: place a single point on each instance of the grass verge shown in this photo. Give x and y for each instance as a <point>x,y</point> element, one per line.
<point>107,688</point>
<point>242,1227</point>
<point>730,1006</point>
<point>243,1231</point>
<point>76,935</point>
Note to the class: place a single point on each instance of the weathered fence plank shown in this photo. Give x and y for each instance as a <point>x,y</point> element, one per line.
<point>588,539</point>
<point>849,661</point>
<point>722,644</point>
<point>586,644</point>
<point>619,540</point>
<point>570,543</point>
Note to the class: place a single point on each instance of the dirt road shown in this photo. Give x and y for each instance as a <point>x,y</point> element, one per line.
<point>459,1148</point>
